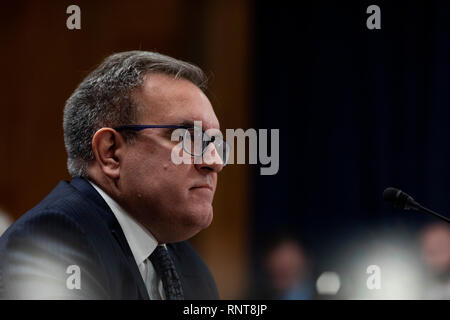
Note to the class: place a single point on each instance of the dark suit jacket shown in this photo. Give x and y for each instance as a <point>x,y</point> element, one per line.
<point>73,225</point>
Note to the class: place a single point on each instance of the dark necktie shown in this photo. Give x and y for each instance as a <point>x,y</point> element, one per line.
<point>165,268</point>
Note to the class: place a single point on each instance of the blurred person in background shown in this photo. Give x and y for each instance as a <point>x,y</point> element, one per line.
<point>287,270</point>
<point>434,242</point>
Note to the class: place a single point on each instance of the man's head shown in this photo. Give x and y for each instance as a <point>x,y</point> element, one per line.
<point>286,262</point>
<point>173,201</point>
<point>435,247</point>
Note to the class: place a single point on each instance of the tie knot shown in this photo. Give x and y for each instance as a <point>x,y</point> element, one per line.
<point>160,258</point>
<point>165,268</point>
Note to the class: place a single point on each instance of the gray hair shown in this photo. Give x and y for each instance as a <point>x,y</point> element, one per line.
<point>105,99</point>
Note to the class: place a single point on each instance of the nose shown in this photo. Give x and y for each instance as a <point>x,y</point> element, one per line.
<point>211,160</point>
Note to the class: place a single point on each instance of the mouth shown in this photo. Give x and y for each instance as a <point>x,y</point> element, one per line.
<point>205,186</point>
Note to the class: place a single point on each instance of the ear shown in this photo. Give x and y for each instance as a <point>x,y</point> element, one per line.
<point>107,146</point>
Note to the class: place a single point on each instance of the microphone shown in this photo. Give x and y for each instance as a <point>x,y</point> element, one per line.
<point>402,200</point>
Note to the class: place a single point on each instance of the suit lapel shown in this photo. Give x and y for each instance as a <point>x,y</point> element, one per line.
<point>107,215</point>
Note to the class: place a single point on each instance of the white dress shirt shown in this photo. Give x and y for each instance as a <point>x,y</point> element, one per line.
<point>142,243</point>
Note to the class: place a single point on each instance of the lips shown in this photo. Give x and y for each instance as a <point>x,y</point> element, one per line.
<point>207,183</point>
<point>206,186</point>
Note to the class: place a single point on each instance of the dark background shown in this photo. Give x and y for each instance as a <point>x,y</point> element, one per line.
<point>359,110</point>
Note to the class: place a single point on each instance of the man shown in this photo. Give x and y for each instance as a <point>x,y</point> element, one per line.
<point>286,269</point>
<point>434,240</point>
<point>118,230</point>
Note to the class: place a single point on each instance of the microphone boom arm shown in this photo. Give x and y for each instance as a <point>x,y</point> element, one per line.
<point>422,208</point>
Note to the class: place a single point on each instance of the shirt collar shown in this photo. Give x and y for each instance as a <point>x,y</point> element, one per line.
<point>142,243</point>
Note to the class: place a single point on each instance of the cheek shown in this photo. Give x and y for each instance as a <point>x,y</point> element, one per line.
<point>166,179</point>
<point>152,174</point>
<point>137,173</point>
<point>145,161</point>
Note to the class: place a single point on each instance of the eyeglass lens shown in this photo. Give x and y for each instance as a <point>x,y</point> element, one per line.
<point>197,135</point>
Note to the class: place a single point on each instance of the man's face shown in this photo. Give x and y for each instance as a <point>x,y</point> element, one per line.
<point>173,201</point>
<point>436,248</point>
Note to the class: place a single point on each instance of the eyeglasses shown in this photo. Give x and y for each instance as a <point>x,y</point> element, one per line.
<point>190,137</point>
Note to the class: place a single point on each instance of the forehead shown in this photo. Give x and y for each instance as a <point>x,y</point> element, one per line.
<point>165,100</point>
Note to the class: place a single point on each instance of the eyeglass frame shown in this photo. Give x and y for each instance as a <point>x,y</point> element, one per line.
<point>140,127</point>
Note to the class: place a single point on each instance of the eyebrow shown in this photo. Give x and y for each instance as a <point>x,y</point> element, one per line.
<point>190,123</point>
<point>187,123</point>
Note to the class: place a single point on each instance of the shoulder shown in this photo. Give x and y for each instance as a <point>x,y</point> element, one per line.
<point>57,216</point>
<point>63,212</point>
<point>40,247</point>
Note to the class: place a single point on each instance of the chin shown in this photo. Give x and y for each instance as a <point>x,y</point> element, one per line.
<point>193,223</point>
<point>201,217</point>
<point>209,218</point>
<point>205,217</point>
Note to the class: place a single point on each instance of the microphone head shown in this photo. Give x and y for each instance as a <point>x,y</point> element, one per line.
<point>398,198</point>
<point>390,194</point>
